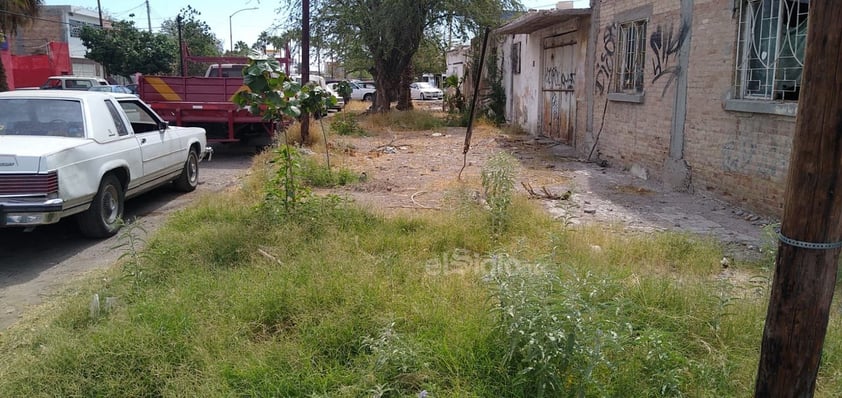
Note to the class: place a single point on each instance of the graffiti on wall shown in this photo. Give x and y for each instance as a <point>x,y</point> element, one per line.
<point>665,44</point>
<point>553,79</point>
<point>605,64</point>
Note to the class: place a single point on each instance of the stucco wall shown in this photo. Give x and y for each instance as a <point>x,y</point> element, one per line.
<point>523,90</point>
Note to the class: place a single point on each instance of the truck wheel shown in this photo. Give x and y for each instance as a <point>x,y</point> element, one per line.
<point>104,217</point>
<point>367,97</point>
<point>189,178</point>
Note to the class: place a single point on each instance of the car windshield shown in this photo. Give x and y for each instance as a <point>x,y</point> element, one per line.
<point>41,116</point>
<point>100,88</point>
<point>424,85</point>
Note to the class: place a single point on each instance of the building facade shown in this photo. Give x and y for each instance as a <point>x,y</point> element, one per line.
<point>698,94</point>
<point>61,24</point>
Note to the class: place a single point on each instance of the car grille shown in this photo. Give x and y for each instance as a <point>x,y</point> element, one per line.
<point>28,184</point>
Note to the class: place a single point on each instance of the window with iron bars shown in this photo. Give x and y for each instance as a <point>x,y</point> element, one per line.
<point>770,58</point>
<point>631,53</point>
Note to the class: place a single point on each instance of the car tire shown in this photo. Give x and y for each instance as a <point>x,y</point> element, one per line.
<point>188,180</point>
<point>104,217</point>
<point>367,97</point>
<point>423,97</point>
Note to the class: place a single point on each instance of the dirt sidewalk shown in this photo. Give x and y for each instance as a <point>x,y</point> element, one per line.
<point>412,170</point>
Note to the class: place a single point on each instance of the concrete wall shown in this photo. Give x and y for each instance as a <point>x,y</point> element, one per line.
<point>523,90</point>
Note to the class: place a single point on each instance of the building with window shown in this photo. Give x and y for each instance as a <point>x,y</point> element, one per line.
<point>698,94</point>
<point>61,24</point>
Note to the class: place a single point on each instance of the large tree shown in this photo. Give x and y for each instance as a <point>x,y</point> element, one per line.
<point>124,50</point>
<point>391,31</point>
<point>197,36</point>
<point>15,14</point>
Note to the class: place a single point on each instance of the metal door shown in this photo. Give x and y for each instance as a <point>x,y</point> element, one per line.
<point>557,87</point>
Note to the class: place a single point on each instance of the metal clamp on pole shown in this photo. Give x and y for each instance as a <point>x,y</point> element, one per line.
<point>808,245</point>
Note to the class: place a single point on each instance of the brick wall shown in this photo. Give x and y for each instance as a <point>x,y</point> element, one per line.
<point>49,27</point>
<point>739,156</point>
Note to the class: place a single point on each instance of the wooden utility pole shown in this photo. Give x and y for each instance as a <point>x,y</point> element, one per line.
<point>805,270</point>
<point>305,64</point>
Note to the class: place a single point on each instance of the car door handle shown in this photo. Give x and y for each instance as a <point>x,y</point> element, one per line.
<point>143,140</point>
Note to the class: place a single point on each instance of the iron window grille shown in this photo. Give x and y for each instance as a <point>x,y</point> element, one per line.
<point>631,54</point>
<point>771,43</point>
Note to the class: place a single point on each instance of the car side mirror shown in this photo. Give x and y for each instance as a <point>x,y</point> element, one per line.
<point>162,126</point>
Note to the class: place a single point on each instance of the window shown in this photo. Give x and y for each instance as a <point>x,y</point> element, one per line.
<point>122,129</point>
<point>631,52</point>
<point>77,25</point>
<point>772,39</point>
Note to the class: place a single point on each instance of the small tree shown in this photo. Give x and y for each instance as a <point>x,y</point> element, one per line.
<point>279,100</point>
<point>344,90</point>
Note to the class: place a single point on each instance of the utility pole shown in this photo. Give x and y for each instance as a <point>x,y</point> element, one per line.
<point>148,17</point>
<point>305,64</point>
<point>806,266</point>
<point>99,8</point>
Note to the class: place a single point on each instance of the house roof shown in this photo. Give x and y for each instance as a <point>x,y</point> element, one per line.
<point>537,20</point>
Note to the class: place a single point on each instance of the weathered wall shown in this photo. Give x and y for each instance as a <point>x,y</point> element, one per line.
<point>739,156</point>
<point>523,90</point>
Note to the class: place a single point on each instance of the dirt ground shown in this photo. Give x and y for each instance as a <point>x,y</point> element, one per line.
<point>413,170</point>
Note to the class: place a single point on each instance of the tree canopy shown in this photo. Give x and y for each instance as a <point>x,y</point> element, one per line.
<point>197,36</point>
<point>390,32</point>
<point>124,50</point>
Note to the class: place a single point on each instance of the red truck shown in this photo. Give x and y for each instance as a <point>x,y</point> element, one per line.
<point>205,101</point>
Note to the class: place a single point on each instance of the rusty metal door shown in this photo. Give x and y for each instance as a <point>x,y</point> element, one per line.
<point>557,87</point>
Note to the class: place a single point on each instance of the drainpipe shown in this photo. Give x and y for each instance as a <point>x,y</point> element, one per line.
<point>676,170</point>
<point>590,85</point>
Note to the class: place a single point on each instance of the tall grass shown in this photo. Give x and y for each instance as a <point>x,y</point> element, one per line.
<point>333,300</point>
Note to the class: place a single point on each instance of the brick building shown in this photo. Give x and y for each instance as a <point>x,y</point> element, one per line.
<point>698,94</point>
<point>60,24</point>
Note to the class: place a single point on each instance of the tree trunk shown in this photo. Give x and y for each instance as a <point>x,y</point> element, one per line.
<point>805,275</point>
<point>404,94</point>
<point>305,66</point>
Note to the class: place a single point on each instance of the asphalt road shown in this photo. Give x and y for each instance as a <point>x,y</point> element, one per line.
<point>38,264</point>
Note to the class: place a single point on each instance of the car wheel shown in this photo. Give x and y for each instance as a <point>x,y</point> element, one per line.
<point>367,97</point>
<point>423,97</point>
<point>104,217</point>
<point>189,178</point>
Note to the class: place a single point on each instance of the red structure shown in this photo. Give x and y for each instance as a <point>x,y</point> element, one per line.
<point>33,70</point>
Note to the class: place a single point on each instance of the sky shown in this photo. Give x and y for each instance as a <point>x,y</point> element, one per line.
<point>246,24</point>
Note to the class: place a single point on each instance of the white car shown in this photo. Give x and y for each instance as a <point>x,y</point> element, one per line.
<point>360,93</point>
<point>83,153</point>
<point>424,91</point>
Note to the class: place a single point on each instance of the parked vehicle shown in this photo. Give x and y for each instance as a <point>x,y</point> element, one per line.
<point>72,83</point>
<point>365,84</point>
<point>225,70</point>
<point>200,101</point>
<point>83,153</point>
<point>424,91</point>
<point>363,93</point>
<point>112,88</point>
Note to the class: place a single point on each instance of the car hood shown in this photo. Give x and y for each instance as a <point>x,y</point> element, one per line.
<point>429,90</point>
<point>24,153</point>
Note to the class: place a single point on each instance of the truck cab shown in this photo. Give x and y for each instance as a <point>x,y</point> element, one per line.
<point>225,70</point>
